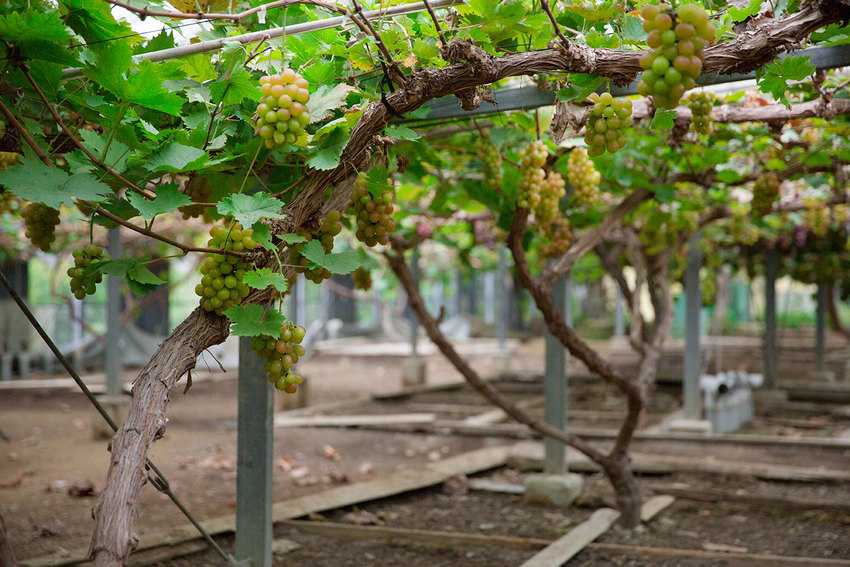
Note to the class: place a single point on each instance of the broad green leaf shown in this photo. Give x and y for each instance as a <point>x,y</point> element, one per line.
<point>255,320</point>
<point>262,236</point>
<point>292,238</point>
<point>741,14</point>
<point>775,76</point>
<point>663,119</point>
<point>93,20</point>
<point>235,88</point>
<point>327,98</point>
<point>728,176</point>
<point>400,132</point>
<point>139,278</point>
<point>330,149</point>
<point>264,277</point>
<point>248,209</point>
<point>116,155</point>
<point>168,199</point>
<point>581,85</point>
<point>37,35</point>
<point>342,263</point>
<point>174,157</point>
<point>145,88</point>
<point>34,181</point>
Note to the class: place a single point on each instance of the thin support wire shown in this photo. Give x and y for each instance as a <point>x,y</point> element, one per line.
<point>157,479</point>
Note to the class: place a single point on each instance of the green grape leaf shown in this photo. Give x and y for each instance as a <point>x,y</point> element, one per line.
<point>329,149</point>
<point>237,87</point>
<point>342,263</point>
<point>175,157</point>
<point>145,88</point>
<point>168,199</point>
<point>744,12</point>
<point>262,278</point>
<point>34,181</point>
<point>94,21</point>
<point>254,320</point>
<point>116,155</point>
<point>633,30</point>
<point>139,278</point>
<point>663,119</point>
<point>774,77</point>
<point>728,175</point>
<point>327,98</point>
<point>581,85</point>
<point>248,209</point>
<point>263,236</point>
<point>38,35</point>
<point>292,238</point>
<point>400,132</point>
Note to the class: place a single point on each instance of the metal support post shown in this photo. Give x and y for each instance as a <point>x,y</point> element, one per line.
<point>489,298</point>
<point>300,317</point>
<point>619,315</point>
<point>113,321</point>
<point>820,329</point>
<point>771,267</point>
<point>414,322</point>
<point>555,388</point>
<point>255,444</point>
<point>502,298</point>
<point>693,355</point>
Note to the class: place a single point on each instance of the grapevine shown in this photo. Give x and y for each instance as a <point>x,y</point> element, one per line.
<point>329,228</point>
<point>677,40</point>
<point>362,279</point>
<point>281,354</point>
<point>373,214</point>
<point>765,192</point>
<point>221,282</point>
<point>489,154</point>
<point>582,175</point>
<point>609,120</point>
<point>81,284</point>
<point>700,105</point>
<point>40,221</point>
<point>282,113</point>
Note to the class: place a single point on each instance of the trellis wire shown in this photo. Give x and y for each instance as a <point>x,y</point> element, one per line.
<point>157,479</point>
<point>253,37</point>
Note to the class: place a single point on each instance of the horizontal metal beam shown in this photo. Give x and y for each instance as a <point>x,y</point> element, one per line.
<point>528,98</point>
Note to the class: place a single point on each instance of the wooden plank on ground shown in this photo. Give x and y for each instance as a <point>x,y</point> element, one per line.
<point>752,499</point>
<point>655,506</point>
<point>567,546</point>
<point>496,415</point>
<point>724,558</point>
<point>351,420</point>
<point>487,485</point>
<point>337,497</point>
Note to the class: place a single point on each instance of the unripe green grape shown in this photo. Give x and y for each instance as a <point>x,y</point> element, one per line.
<point>82,285</point>
<point>40,223</point>
<point>282,103</point>
<point>614,118</point>
<point>582,175</point>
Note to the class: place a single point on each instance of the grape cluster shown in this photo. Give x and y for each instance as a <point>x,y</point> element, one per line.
<point>281,354</point>
<point>741,229</point>
<point>362,279</point>
<point>532,175</point>
<point>329,228</point>
<point>765,192</point>
<point>675,61</point>
<point>40,221</point>
<point>200,192</point>
<point>221,284</point>
<point>373,214</point>
<point>82,285</point>
<point>816,217</point>
<point>700,105</point>
<point>558,235</point>
<point>491,157</point>
<point>7,160</point>
<point>582,175</point>
<point>841,214</point>
<point>282,113</point>
<point>607,124</point>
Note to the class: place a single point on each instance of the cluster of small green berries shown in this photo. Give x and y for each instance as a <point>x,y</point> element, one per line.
<point>329,228</point>
<point>607,124</point>
<point>532,175</point>
<point>200,192</point>
<point>7,160</point>
<point>81,285</point>
<point>281,354</point>
<point>558,235</point>
<point>741,229</point>
<point>221,284</point>
<point>282,113</point>
<point>583,176</point>
<point>816,216</point>
<point>552,190</point>
<point>700,105</point>
<point>841,214</point>
<point>677,40</point>
<point>362,279</point>
<point>491,157</point>
<point>40,222</point>
<point>373,214</point>
<point>765,192</point>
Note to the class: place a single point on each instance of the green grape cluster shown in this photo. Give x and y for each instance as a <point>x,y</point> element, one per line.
<point>532,175</point>
<point>491,157</point>
<point>282,113</point>
<point>221,284</point>
<point>373,214</point>
<point>558,235</point>
<point>607,124</point>
<point>741,229</point>
<point>841,214</point>
<point>200,192</point>
<point>362,279</point>
<point>582,175</point>
<point>708,287</point>
<point>329,228</point>
<point>816,217</point>
<point>552,190</point>
<point>82,285</point>
<point>281,354</point>
<point>677,40</point>
<point>40,222</point>
<point>700,105</point>
<point>7,160</point>
<point>765,192</point>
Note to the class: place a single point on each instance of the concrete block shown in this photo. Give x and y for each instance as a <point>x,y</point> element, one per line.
<point>553,489</point>
<point>690,426</point>
<point>117,407</point>
<point>502,364</point>
<point>413,372</point>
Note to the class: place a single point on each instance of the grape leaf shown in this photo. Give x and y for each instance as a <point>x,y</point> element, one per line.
<point>94,21</point>
<point>342,263</point>
<point>744,12</point>
<point>663,119</point>
<point>175,157</point>
<point>775,76</point>
<point>262,235</point>
<point>262,278</point>
<point>326,99</point>
<point>34,181</point>
<point>248,209</point>
<point>38,36</point>
<point>581,85</point>
<point>168,199</point>
<point>254,320</point>
<point>139,278</point>
<point>330,149</point>
<point>145,88</point>
<point>292,238</point>
<point>237,87</point>
<point>400,132</point>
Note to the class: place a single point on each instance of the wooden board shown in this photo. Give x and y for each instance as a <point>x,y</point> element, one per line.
<point>723,558</point>
<point>571,543</point>
<point>752,499</point>
<point>655,506</point>
<point>496,415</point>
<point>351,420</point>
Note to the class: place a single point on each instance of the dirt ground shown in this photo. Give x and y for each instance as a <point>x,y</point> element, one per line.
<point>51,471</point>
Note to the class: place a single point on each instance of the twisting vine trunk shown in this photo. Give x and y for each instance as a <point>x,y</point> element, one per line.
<point>7,557</point>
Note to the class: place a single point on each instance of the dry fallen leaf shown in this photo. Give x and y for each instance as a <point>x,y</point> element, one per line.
<point>331,453</point>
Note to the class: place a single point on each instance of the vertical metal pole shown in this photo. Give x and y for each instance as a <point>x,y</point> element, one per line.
<point>301,301</point>
<point>771,267</point>
<point>693,356</point>
<point>113,320</point>
<point>489,298</point>
<point>820,329</point>
<point>376,308</point>
<point>502,298</point>
<point>458,293</point>
<point>255,443</point>
<point>619,315</point>
<point>414,322</point>
<point>555,388</point>
<point>472,294</point>
<point>437,295</point>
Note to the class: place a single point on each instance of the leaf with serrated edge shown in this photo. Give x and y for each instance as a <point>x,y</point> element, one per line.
<point>168,199</point>
<point>254,320</point>
<point>342,263</point>
<point>262,278</point>
<point>248,209</point>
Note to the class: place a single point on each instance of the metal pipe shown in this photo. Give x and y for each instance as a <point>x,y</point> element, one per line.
<point>820,329</point>
<point>693,306</point>
<point>113,320</point>
<point>502,298</point>
<point>771,267</point>
<point>555,388</point>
